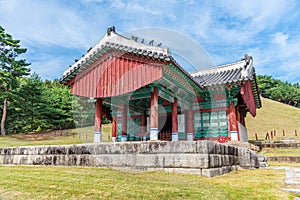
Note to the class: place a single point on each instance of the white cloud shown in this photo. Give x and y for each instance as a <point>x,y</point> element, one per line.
<point>225,29</point>
<point>49,67</point>
<point>280,58</point>
<point>258,14</point>
<point>280,38</point>
<point>45,23</point>
<point>179,44</point>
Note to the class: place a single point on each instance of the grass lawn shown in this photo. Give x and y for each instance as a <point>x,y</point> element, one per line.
<point>285,164</point>
<point>281,152</point>
<point>274,116</point>
<point>40,182</point>
<point>73,136</point>
<point>33,182</point>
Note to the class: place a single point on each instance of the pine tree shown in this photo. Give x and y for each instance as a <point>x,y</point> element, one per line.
<point>31,103</point>
<point>11,70</point>
<point>58,107</point>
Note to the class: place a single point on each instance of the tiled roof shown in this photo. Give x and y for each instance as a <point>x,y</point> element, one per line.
<point>231,73</point>
<point>234,72</point>
<point>114,41</point>
<point>119,42</point>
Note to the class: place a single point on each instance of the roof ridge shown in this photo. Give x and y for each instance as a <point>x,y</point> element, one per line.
<point>231,72</point>
<point>112,37</point>
<point>218,66</point>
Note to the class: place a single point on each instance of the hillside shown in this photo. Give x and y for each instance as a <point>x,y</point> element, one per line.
<point>274,116</point>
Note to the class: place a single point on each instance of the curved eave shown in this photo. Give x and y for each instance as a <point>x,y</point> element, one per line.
<point>107,49</point>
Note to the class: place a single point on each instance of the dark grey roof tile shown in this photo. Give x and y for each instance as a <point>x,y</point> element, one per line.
<point>220,77</point>
<point>130,50</point>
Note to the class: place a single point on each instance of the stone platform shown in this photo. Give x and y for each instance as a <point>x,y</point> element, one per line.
<point>204,158</point>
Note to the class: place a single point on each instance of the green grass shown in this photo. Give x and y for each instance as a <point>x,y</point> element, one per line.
<point>274,116</point>
<point>26,182</point>
<point>281,152</point>
<point>74,136</point>
<point>284,164</point>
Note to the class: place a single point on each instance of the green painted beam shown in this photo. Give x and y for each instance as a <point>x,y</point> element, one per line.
<point>214,104</point>
<point>139,96</point>
<point>188,79</point>
<point>176,83</point>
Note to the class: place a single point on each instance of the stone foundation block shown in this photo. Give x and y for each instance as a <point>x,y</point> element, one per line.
<point>247,158</point>
<point>183,160</point>
<point>183,171</point>
<point>215,161</point>
<point>202,157</point>
<point>216,171</point>
<point>60,160</point>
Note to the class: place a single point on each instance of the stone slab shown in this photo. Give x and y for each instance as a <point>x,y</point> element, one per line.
<point>207,158</point>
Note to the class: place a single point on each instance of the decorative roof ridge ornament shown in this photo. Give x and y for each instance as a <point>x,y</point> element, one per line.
<point>151,42</point>
<point>245,73</point>
<point>247,58</point>
<point>110,30</point>
<point>134,38</point>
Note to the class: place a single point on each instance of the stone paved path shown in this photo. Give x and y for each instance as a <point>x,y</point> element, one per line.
<point>292,179</point>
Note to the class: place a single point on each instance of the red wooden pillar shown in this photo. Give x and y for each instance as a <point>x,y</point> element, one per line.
<point>154,115</point>
<point>233,127</point>
<point>124,123</point>
<point>175,120</point>
<point>98,118</point>
<point>189,118</point>
<point>114,128</point>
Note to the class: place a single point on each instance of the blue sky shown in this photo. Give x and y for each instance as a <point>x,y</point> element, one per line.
<point>56,32</point>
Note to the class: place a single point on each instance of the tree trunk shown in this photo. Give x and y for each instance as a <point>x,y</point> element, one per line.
<point>3,132</point>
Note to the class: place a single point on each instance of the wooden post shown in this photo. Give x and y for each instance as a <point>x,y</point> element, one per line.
<point>233,128</point>
<point>256,137</point>
<point>98,118</point>
<point>189,118</point>
<point>124,123</point>
<point>154,115</point>
<point>267,136</point>
<point>296,133</point>
<point>271,134</point>
<point>274,133</point>
<point>114,128</point>
<point>283,134</point>
<point>175,120</point>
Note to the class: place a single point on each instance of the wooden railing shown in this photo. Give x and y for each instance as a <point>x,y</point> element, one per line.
<point>165,136</point>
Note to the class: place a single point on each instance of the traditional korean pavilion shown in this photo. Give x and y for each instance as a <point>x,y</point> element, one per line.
<point>149,96</point>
